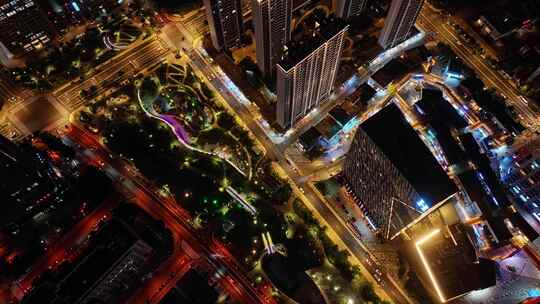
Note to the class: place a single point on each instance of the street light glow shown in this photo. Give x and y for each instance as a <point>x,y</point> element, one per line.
<point>418,245</point>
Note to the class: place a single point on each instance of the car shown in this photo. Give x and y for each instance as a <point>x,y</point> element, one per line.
<point>92,128</point>
<point>85,117</point>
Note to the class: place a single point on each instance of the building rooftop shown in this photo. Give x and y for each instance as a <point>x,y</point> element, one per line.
<point>311,38</point>
<point>448,253</point>
<point>400,143</point>
<point>340,115</point>
<point>310,138</point>
<point>443,119</point>
<point>393,70</point>
<point>486,173</point>
<point>434,105</point>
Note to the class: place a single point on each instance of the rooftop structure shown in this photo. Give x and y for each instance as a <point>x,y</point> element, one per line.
<point>441,253</point>
<point>445,120</point>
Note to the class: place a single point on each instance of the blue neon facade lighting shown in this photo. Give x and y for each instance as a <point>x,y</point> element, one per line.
<point>421,204</point>
<point>75,6</point>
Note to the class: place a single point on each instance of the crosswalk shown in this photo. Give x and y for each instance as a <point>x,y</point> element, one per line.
<point>118,69</point>
<point>11,93</point>
<point>8,131</point>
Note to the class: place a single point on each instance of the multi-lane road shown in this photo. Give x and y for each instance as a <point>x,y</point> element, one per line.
<point>347,238</point>
<point>148,52</point>
<point>60,251</point>
<point>213,254</point>
<point>140,56</point>
<point>431,21</point>
<point>144,53</point>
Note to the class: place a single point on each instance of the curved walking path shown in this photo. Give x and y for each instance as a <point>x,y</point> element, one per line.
<point>178,129</point>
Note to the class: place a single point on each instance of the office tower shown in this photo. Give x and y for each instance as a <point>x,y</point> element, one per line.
<point>306,75</point>
<point>391,173</point>
<point>23,27</point>
<point>272,22</point>
<point>225,22</point>
<point>348,8</point>
<point>399,22</point>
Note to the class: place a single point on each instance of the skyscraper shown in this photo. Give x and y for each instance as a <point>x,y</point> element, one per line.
<point>272,22</point>
<point>348,8</point>
<point>225,22</point>
<point>306,75</point>
<point>391,173</point>
<point>24,27</point>
<point>399,22</point>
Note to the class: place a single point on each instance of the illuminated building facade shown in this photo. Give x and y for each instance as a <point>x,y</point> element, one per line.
<point>272,22</point>
<point>399,22</point>
<point>348,8</point>
<point>31,185</point>
<point>391,174</point>
<point>306,75</point>
<point>225,22</point>
<point>23,27</point>
<point>522,177</point>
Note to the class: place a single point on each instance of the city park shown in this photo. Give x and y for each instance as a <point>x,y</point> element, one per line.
<point>202,156</point>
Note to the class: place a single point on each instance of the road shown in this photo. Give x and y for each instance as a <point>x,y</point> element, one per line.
<point>308,194</point>
<point>430,21</point>
<point>60,251</point>
<point>142,54</point>
<point>139,56</point>
<point>163,280</point>
<point>175,218</point>
<point>11,93</point>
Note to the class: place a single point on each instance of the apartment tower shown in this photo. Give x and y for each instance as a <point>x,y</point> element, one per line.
<point>306,75</point>
<point>348,8</point>
<point>225,22</point>
<point>272,22</point>
<point>399,22</point>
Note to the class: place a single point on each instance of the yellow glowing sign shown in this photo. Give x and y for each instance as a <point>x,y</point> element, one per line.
<point>419,244</point>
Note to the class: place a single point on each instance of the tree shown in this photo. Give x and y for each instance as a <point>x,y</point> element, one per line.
<point>368,294</point>
<point>226,121</point>
<point>283,194</point>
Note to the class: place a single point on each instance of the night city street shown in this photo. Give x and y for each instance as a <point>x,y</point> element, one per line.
<point>270,151</point>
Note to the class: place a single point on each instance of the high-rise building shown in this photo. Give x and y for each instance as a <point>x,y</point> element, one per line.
<point>24,27</point>
<point>348,8</point>
<point>392,174</point>
<point>306,75</point>
<point>399,22</point>
<point>272,22</point>
<point>31,181</point>
<point>225,22</point>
